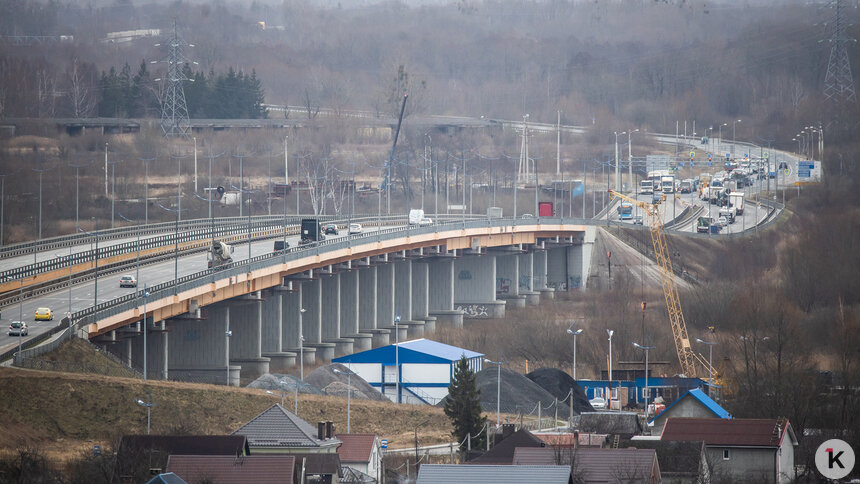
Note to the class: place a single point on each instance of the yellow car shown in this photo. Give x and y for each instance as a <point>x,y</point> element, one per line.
<point>44,314</point>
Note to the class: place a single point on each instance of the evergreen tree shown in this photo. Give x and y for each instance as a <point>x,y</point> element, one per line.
<point>112,102</point>
<point>463,406</point>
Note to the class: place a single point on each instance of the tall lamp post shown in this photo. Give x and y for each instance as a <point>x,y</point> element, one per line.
<point>610,333</point>
<point>646,391</point>
<point>734,122</point>
<point>574,333</point>
<point>498,387</point>
<point>397,357</point>
<point>630,159</point>
<point>617,164</point>
<point>348,374</point>
<point>710,356</point>
<point>148,404</point>
<point>301,359</point>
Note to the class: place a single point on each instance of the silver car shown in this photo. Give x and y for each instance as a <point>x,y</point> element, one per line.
<point>18,328</point>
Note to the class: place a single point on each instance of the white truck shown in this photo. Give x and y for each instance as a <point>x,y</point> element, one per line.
<point>736,200</point>
<point>729,212</point>
<point>416,217</point>
<point>667,184</point>
<point>646,187</point>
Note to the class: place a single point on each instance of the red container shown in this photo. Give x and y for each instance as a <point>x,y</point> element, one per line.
<point>545,209</point>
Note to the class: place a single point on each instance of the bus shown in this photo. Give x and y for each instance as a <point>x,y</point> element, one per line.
<point>625,210</point>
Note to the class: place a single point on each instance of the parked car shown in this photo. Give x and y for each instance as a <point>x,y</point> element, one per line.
<point>330,229</point>
<point>355,228</point>
<point>127,281</point>
<point>599,403</point>
<point>18,328</point>
<point>44,314</point>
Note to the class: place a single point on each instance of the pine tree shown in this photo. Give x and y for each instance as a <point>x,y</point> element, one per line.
<point>463,406</point>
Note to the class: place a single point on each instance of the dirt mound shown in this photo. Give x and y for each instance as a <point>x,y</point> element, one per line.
<point>336,383</point>
<point>559,384</point>
<point>518,394</point>
<point>271,381</point>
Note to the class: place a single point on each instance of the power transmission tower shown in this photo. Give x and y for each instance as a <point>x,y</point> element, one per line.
<point>174,111</point>
<point>838,83</point>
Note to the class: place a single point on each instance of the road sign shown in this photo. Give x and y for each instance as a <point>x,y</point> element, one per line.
<point>766,154</point>
<point>383,443</point>
<point>710,156</point>
<point>682,164</point>
<point>692,154</point>
<point>710,164</point>
<point>692,164</point>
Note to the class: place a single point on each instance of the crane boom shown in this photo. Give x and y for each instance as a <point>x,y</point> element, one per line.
<point>686,356</point>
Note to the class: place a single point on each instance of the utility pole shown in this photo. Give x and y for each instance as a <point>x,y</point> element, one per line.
<point>558,144</point>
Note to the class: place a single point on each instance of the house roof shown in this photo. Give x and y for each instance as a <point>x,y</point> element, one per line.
<point>166,478</point>
<point>415,351</point>
<point>740,432</point>
<point>132,445</point>
<point>356,447</point>
<point>621,423</point>
<point>503,452</point>
<point>492,474</point>
<point>702,398</point>
<point>579,439</point>
<point>278,427</point>
<point>595,465</point>
<point>677,458</point>
<point>319,464</point>
<point>262,469</point>
<point>354,475</point>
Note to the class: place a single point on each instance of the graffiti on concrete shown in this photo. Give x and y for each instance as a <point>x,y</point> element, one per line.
<point>503,285</point>
<point>558,286</point>
<point>575,281</point>
<point>474,310</point>
<point>524,283</point>
<point>464,275</point>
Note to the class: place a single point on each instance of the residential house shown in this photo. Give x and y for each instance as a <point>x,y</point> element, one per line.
<point>492,474</point>
<point>421,368</point>
<point>694,404</point>
<point>631,393</point>
<point>623,424</point>
<point>155,449</point>
<point>503,452</point>
<point>259,469</point>
<point>760,450</point>
<point>360,452</point>
<point>572,439</point>
<point>166,478</point>
<point>680,462</point>
<point>597,466</point>
<point>277,430</point>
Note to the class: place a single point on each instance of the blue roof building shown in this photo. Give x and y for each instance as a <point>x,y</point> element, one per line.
<point>422,367</point>
<point>695,404</point>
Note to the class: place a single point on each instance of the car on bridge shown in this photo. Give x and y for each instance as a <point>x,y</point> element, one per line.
<point>127,281</point>
<point>44,314</point>
<point>330,229</point>
<point>18,328</point>
<point>355,228</point>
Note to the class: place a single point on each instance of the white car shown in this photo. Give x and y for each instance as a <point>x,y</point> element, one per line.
<point>127,281</point>
<point>723,221</point>
<point>598,403</point>
<point>355,228</point>
<point>425,221</point>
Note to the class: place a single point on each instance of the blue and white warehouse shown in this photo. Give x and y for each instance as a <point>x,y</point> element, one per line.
<point>425,369</point>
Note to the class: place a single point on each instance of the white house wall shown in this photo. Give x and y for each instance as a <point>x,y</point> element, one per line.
<point>426,373</point>
<point>370,372</point>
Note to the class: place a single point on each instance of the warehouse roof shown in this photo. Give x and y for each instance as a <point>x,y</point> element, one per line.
<point>415,351</point>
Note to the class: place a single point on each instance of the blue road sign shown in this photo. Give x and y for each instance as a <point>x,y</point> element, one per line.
<point>728,156</point>
<point>692,164</point>
<point>383,443</point>
<point>682,164</point>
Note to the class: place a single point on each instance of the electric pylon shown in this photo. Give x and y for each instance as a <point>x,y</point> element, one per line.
<point>838,83</point>
<point>174,111</point>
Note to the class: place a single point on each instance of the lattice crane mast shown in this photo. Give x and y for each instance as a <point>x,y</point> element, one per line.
<point>686,356</point>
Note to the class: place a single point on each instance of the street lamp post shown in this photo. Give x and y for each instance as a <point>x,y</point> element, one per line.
<point>348,374</point>
<point>397,357</point>
<point>720,144</point>
<point>498,387</point>
<point>630,159</point>
<point>610,333</point>
<point>617,170</point>
<point>646,392</point>
<point>575,333</point>
<point>734,122</point>
<point>281,383</point>
<point>710,358</point>
<point>146,295</point>
<point>148,404</point>
<point>301,359</point>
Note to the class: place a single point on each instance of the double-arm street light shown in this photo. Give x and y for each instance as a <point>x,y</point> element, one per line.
<point>148,404</point>
<point>301,358</point>
<point>630,158</point>
<point>734,122</point>
<point>574,333</point>
<point>281,383</point>
<point>348,374</point>
<point>646,349</point>
<point>498,387</point>
<point>617,163</point>
<point>610,333</point>
<point>710,355</point>
<point>397,357</point>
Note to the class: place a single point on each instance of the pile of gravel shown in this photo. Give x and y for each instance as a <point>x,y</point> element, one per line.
<point>333,383</point>
<point>271,381</point>
<point>559,384</point>
<point>518,394</point>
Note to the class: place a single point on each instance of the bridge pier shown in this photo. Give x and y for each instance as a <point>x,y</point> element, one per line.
<point>368,305</point>
<point>420,296</point>
<point>331,315</point>
<point>273,328</point>
<point>527,279</point>
<point>403,299</point>
<point>385,302</point>
<point>200,347</point>
<point>312,319</point>
<point>539,273</point>
<point>440,292</point>
<point>246,324</point>
<point>475,287</point>
<point>350,290</point>
<point>508,278</point>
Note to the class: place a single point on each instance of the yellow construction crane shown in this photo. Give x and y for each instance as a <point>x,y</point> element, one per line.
<point>686,356</point>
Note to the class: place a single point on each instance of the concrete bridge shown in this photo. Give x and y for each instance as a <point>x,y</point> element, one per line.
<point>341,296</point>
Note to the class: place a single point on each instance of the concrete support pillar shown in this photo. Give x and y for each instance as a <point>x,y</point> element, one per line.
<point>272,309</point>
<point>385,295</point>
<point>156,350</point>
<point>246,326</point>
<point>368,305</point>
<point>200,347</point>
<point>475,287</point>
<point>540,274</point>
<point>127,353</point>
<point>403,299</point>
<point>440,293</point>
<point>556,272</point>
<point>508,280</point>
<point>331,315</point>
<point>312,320</point>
<point>292,327</point>
<point>350,311</point>
<point>421,296</point>
<point>575,275</point>
<point>527,279</point>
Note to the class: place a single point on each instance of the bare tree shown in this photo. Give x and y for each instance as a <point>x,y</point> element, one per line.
<point>80,92</point>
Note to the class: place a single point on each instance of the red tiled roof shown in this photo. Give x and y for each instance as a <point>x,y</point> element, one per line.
<point>259,469</point>
<point>356,447</point>
<point>742,432</point>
